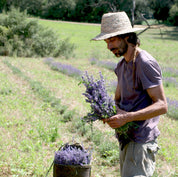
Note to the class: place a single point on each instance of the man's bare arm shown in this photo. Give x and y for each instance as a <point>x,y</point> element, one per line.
<point>158,107</point>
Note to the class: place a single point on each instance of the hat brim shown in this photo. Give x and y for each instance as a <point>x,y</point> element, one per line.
<point>103,36</point>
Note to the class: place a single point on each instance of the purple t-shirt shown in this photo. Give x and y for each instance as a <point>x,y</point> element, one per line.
<point>147,75</point>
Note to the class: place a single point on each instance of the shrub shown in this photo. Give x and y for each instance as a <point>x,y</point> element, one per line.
<point>173,14</point>
<point>24,37</point>
<point>3,38</point>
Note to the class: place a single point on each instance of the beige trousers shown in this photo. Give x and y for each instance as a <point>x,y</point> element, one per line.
<point>138,160</point>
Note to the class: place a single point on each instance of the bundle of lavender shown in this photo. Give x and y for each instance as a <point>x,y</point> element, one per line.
<point>73,154</point>
<point>101,104</point>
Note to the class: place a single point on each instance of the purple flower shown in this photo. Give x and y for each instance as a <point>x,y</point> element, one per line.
<point>172,108</point>
<point>171,80</point>
<point>101,104</point>
<point>72,155</point>
<point>172,71</point>
<point>48,60</point>
<point>107,64</point>
<point>93,61</point>
<point>63,68</point>
<point>112,85</point>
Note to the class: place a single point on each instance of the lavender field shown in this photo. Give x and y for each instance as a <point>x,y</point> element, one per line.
<point>42,104</point>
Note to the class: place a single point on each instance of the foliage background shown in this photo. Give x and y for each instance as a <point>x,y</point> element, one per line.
<point>23,37</point>
<point>91,10</point>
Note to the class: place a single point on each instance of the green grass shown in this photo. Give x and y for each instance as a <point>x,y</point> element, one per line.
<point>25,127</point>
<point>31,129</point>
<point>81,35</point>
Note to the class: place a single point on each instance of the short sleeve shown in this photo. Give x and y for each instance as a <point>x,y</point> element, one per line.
<point>150,74</point>
<point>115,71</point>
<point>119,68</point>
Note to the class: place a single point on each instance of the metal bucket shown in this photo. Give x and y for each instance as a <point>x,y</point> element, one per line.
<point>71,170</point>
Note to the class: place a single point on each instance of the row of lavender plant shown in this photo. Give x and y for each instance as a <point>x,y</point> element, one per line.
<point>106,64</point>
<point>63,68</point>
<point>173,72</point>
<point>172,108</point>
<point>44,93</point>
<point>169,76</point>
<point>170,80</point>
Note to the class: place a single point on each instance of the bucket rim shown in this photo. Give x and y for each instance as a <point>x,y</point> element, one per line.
<point>75,166</point>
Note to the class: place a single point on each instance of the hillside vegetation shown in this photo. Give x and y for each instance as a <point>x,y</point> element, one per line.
<point>41,107</point>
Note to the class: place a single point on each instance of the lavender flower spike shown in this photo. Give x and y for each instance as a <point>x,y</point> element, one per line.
<point>101,104</point>
<point>72,155</point>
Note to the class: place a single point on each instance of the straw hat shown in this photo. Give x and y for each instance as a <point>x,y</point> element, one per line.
<point>113,24</point>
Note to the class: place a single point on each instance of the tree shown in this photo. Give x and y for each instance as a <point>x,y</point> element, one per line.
<point>2,5</point>
<point>161,8</point>
<point>33,7</point>
<point>59,9</point>
<point>173,14</point>
<point>133,8</point>
<point>92,10</point>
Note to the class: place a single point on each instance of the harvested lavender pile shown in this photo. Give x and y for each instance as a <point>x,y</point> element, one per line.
<point>101,104</point>
<point>72,155</point>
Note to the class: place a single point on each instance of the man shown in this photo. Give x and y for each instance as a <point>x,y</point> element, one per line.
<point>139,96</point>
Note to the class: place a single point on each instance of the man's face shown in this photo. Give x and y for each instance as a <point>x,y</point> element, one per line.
<point>117,45</point>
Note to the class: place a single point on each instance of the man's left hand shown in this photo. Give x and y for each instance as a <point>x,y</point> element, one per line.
<point>117,120</point>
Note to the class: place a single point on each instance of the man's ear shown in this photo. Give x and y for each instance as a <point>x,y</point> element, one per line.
<point>126,39</point>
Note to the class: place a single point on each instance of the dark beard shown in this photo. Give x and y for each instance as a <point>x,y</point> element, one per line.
<point>121,50</point>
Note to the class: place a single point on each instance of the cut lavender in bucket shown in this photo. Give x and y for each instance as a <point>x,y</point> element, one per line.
<point>72,160</point>
<point>101,104</point>
<point>73,154</point>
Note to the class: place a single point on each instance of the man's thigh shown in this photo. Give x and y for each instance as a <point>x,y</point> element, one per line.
<point>138,159</point>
